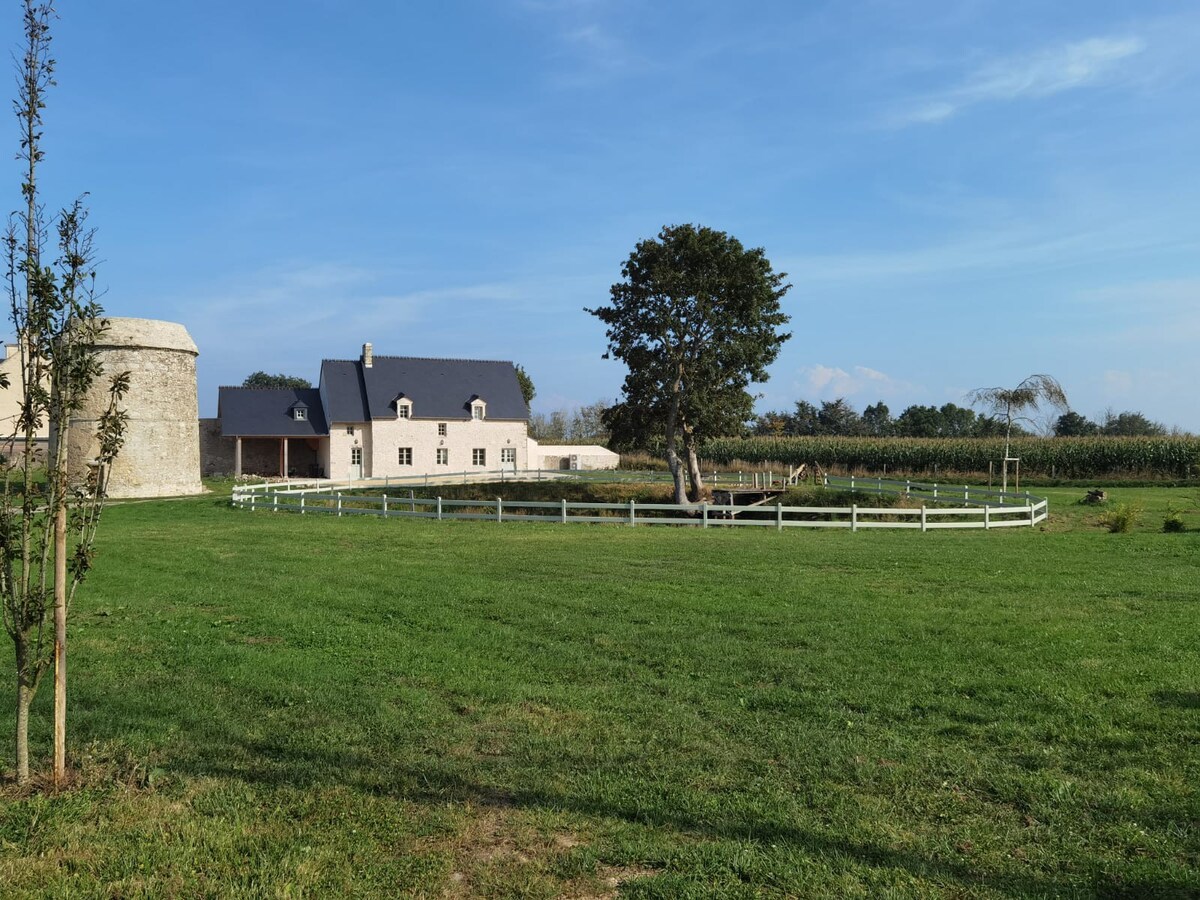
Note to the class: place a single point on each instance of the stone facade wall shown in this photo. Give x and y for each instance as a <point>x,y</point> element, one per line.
<point>12,397</point>
<point>161,453</point>
<point>216,452</point>
<point>382,439</point>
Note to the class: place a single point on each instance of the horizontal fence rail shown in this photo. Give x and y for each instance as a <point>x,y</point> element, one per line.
<point>972,507</point>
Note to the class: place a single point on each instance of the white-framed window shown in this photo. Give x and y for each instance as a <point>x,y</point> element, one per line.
<point>349,429</point>
<point>403,410</point>
<point>441,429</point>
<point>443,456</point>
<point>508,455</point>
<point>299,413</point>
<point>477,411</point>
<point>405,456</point>
<point>479,457</point>
<point>356,456</point>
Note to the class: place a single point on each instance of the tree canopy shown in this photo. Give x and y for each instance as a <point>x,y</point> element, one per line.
<point>263,380</point>
<point>528,391</point>
<point>696,319</point>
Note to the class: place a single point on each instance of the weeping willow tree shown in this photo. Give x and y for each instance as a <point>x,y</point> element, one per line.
<point>1009,405</point>
<point>47,524</point>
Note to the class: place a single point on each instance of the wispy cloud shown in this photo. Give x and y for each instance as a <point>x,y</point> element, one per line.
<point>1047,72</point>
<point>829,382</point>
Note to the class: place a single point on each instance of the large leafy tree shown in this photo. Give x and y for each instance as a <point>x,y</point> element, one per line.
<point>696,319</point>
<point>261,379</point>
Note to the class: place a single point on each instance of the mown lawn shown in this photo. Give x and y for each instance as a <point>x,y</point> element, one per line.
<point>269,705</point>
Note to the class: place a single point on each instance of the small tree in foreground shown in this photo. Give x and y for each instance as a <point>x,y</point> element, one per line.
<point>696,320</point>
<point>47,526</point>
<point>1008,404</point>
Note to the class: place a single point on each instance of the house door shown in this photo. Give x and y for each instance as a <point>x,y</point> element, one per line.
<point>355,463</point>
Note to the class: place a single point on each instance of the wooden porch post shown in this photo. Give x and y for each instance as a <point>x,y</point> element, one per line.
<point>283,444</point>
<point>237,456</point>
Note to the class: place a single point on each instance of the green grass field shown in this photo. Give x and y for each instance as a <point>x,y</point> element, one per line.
<point>269,705</point>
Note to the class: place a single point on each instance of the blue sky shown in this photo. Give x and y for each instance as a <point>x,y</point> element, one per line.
<point>962,193</point>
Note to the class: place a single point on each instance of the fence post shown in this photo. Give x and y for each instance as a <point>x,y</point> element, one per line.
<point>779,516</point>
<point>987,516</point>
<point>339,505</point>
<point>632,518</point>
<point>439,509</point>
<point>1032,513</point>
<point>412,501</point>
<point>704,514</point>
<point>274,503</point>
<point>385,506</point>
<point>564,511</point>
<point>854,517</point>
<point>499,509</point>
<point>851,482</point>
<point>923,517</point>
<point>301,504</point>
<point>935,490</point>
<point>966,495</point>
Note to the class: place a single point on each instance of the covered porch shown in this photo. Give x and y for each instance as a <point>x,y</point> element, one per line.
<point>278,455</point>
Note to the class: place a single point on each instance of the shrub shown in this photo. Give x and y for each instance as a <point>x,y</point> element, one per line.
<point>1173,523</point>
<point>1122,519</point>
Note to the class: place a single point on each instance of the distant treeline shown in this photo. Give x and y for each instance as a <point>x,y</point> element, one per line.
<point>584,423</point>
<point>837,418</point>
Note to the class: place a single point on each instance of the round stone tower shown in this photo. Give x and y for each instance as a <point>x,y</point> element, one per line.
<point>161,454</point>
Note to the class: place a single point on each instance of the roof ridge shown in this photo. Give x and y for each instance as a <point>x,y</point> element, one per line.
<point>250,387</point>
<point>426,359</point>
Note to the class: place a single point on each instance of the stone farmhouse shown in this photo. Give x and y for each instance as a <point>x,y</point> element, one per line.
<point>376,416</point>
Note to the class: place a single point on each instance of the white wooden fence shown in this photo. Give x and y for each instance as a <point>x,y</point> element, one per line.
<point>343,499</point>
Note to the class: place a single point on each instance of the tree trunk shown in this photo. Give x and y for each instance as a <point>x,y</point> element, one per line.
<point>60,642</point>
<point>695,476</point>
<point>25,693</point>
<point>672,454</point>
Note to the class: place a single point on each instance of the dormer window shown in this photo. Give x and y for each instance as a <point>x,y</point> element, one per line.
<point>478,409</point>
<point>299,412</point>
<point>403,407</point>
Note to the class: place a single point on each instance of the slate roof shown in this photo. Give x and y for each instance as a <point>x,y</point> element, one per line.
<point>267,412</point>
<point>438,388</point>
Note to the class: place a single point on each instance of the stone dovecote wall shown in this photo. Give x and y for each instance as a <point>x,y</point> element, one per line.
<point>161,454</point>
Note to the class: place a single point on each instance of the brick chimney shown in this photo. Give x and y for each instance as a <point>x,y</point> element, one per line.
<point>367,358</point>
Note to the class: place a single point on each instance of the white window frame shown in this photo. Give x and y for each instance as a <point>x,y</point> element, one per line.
<point>479,456</point>
<point>349,429</point>
<point>356,456</point>
<point>441,429</point>
<point>403,452</point>
<point>443,456</point>
<point>404,410</point>
<point>508,455</point>
<point>300,414</point>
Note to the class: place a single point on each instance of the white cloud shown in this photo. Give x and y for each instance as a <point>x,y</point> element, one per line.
<point>828,383</point>
<point>1042,74</point>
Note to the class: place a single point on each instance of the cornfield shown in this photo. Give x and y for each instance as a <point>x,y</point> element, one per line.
<point>1083,457</point>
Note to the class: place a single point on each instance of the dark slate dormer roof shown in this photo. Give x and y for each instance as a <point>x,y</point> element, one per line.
<point>438,388</point>
<point>267,412</point>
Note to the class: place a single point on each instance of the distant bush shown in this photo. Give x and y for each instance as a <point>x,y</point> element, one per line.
<point>1122,519</point>
<point>1173,523</point>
